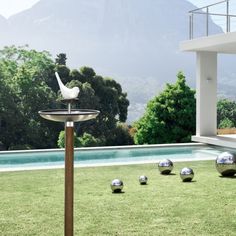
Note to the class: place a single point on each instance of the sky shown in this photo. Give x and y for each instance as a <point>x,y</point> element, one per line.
<point>11,7</point>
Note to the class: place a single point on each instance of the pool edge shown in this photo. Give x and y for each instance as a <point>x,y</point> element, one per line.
<point>105,148</point>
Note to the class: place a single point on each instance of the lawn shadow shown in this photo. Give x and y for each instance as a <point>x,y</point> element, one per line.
<point>118,192</point>
<point>193,181</point>
<point>167,174</point>
<point>228,177</point>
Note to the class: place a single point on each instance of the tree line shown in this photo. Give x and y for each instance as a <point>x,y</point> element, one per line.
<point>28,84</point>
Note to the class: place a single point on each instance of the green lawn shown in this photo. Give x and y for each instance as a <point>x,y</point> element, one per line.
<point>32,202</point>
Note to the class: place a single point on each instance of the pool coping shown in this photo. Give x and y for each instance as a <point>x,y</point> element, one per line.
<point>100,164</point>
<point>25,168</point>
<point>105,148</point>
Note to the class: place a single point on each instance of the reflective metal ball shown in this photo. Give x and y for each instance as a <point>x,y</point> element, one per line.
<point>165,166</point>
<point>116,185</point>
<point>226,164</point>
<point>186,174</point>
<point>143,179</point>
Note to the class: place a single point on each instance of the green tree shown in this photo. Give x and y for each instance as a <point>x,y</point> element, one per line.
<point>27,73</point>
<point>103,94</point>
<point>28,84</point>
<point>169,117</point>
<point>11,119</point>
<point>61,59</point>
<point>226,113</point>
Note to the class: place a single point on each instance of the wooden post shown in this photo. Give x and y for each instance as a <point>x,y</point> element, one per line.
<point>69,178</point>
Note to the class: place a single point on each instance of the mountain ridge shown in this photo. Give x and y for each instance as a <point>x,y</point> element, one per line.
<point>135,42</point>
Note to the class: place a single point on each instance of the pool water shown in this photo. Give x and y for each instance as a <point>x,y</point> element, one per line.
<point>110,156</point>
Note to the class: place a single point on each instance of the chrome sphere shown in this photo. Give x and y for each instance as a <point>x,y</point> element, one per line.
<point>226,164</point>
<point>116,185</point>
<point>186,174</point>
<point>143,179</point>
<point>165,166</point>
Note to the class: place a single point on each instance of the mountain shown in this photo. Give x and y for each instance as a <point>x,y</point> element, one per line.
<point>3,29</point>
<point>3,20</point>
<point>135,42</point>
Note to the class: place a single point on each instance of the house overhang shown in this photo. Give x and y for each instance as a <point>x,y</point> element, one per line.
<point>221,43</point>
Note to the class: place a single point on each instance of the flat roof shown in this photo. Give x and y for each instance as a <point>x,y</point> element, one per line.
<point>220,43</point>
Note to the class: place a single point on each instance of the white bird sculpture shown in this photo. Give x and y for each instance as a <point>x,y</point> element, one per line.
<point>67,93</point>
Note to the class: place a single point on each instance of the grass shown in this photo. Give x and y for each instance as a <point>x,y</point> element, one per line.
<point>32,202</point>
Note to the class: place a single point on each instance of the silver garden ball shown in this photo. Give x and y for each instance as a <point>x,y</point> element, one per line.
<point>226,164</point>
<point>116,185</point>
<point>165,166</point>
<point>186,174</point>
<point>143,179</point>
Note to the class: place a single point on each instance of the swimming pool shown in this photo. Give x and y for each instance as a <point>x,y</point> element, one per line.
<point>108,156</point>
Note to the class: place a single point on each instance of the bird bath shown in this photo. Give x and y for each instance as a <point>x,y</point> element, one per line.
<point>69,116</point>
<point>66,116</point>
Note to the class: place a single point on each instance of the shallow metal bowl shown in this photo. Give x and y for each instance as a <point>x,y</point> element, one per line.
<point>226,164</point>
<point>165,166</point>
<point>64,115</point>
<point>117,185</point>
<point>186,174</point>
<point>143,179</point>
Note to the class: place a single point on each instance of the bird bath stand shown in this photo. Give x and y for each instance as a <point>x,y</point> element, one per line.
<point>69,116</point>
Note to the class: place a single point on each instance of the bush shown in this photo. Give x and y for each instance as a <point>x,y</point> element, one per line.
<point>226,123</point>
<point>20,147</point>
<point>88,140</point>
<point>169,117</point>
<point>226,113</point>
<point>61,140</point>
<point>120,136</point>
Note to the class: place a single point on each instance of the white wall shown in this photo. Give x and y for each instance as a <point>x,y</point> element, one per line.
<point>206,93</point>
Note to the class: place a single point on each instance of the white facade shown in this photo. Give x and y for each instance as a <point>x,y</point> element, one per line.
<point>206,91</point>
<point>207,49</point>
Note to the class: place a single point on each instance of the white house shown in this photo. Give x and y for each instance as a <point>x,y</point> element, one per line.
<point>206,49</point>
